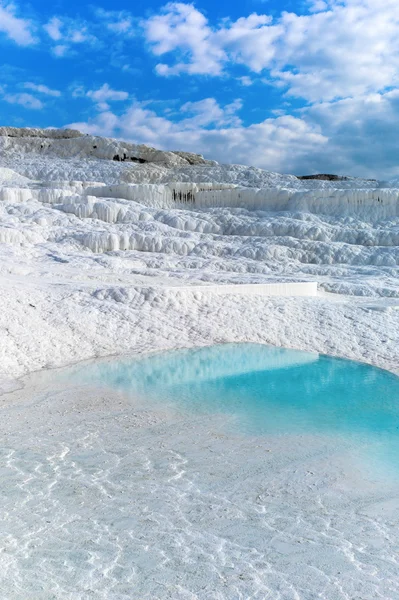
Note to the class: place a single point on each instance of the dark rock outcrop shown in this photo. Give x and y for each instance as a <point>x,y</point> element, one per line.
<point>324,177</point>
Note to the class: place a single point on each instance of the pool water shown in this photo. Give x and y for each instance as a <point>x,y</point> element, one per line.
<point>265,390</point>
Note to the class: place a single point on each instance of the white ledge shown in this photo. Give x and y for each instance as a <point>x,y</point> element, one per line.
<point>286,289</point>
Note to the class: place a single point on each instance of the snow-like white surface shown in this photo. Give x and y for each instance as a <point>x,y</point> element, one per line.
<point>107,496</point>
<point>101,256</point>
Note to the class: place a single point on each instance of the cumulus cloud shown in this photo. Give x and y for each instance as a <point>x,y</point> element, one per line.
<point>25,100</point>
<point>53,28</point>
<point>42,89</point>
<point>118,21</point>
<point>278,144</point>
<point>66,33</point>
<point>362,138</point>
<point>318,5</point>
<point>208,112</point>
<point>339,49</point>
<point>60,50</point>
<point>17,29</point>
<point>106,94</point>
<point>353,136</point>
<point>245,80</point>
<point>181,27</point>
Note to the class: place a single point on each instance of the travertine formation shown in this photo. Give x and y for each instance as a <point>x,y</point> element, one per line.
<point>103,256</point>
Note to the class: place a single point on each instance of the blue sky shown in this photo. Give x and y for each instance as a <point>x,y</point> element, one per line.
<point>292,85</point>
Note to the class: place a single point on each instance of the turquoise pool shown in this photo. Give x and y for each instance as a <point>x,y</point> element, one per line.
<point>266,390</point>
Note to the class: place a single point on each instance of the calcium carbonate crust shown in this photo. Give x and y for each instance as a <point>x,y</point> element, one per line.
<point>101,255</point>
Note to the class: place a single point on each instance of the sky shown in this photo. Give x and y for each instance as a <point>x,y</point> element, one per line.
<point>294,86</point>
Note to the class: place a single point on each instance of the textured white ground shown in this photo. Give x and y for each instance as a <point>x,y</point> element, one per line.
<point>90,269</point>
<point>98,257</point>
<point>104,496</point>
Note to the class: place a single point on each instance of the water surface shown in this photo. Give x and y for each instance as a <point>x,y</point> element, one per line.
<point>264,390</point>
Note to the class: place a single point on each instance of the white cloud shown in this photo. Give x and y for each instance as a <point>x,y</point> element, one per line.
<point>318,5</point>
<point>250,41</point>
<point>53,28</point>
<point>353,136</point>
<point>277,144</point>
<point>17,29</point>
<point>363,140</point>
<point>121,26</point>
<point>184,28</point>
<point>208,112</point>
<point>202,49</point>
<point>120,22</point>
<point>78,36</point>
<point>67,33</point>
<point>104,124</point>
<point>77,90</point>
<point>245,80</point>
<point>42,89</point>
<point>106,94</point>
<point>340,49</point>
<point>26,100</point>
<point>60,50</point>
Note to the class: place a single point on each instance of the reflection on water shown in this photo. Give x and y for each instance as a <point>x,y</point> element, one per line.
<point>187,367</point>
<point>272,391</point>
<point>265,389</point>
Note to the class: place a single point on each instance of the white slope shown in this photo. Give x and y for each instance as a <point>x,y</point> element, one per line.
<point>102,256</point>
<point>8,176</point>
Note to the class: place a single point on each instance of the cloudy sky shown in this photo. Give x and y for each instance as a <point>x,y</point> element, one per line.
<point>296,86</point>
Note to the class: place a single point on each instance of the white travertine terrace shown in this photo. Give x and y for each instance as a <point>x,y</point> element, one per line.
<point>150,250</point>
